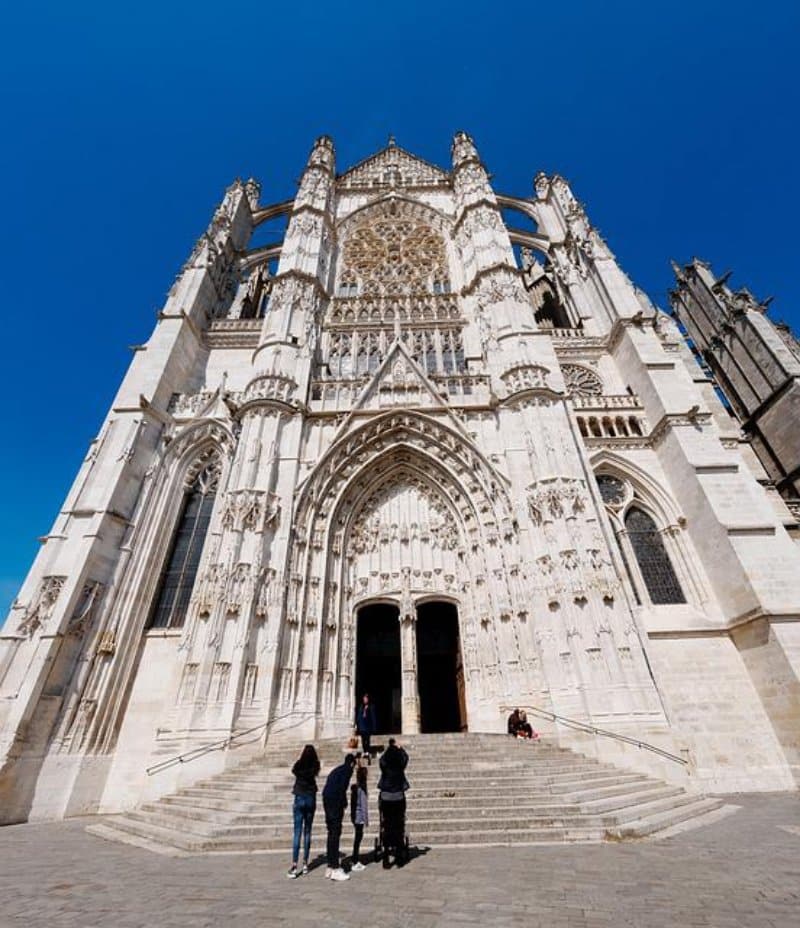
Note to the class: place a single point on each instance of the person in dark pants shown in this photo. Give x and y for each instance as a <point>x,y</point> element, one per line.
<point>334,801</point>
<point>359,813</point>
<point>305,771</point>
<point>392,796</point>
<point>366,724</point>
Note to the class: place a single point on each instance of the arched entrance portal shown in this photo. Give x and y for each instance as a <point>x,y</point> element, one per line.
<point>440,669</point>
<point>378,663</point>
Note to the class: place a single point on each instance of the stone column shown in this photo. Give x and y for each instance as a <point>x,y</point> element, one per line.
<point>408,665</point>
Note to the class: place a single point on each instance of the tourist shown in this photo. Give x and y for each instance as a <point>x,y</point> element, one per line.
<point>392,800</point>
<point>305,770</point>
<point>524,729</point>
<point>334,801</point>
<point>359,813</point>
<point>513,722</point>
<point>365,724</point>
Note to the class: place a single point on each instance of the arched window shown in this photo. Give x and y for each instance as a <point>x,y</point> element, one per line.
<point>178,576</point>
<point>651,556</point>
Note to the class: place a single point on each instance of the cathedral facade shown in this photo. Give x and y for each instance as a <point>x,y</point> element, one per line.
<point>430,443</point>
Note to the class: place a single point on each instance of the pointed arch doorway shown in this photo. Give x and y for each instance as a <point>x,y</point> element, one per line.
<point>378,663</point>
<point>440,668</point>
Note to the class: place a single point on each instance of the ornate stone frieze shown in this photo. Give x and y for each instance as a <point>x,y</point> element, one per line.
<point>269,387</point>
<point>525,377</point>
<point>37,613</point>
<point>234,333</point>
<point>250,510</point>
<point>555,498</point>
<point>392,167</point>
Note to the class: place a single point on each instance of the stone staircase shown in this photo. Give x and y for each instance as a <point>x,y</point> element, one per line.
<point>465,789</point>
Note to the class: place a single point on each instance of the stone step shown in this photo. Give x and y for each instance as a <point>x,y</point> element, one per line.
<point>649,824</point>
<point>284,775</point>
<point>520,783</point>
<point>465,790</point>
<point>649,791</point>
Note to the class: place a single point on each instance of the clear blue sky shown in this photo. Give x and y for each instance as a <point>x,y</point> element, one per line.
<point>677,124</point>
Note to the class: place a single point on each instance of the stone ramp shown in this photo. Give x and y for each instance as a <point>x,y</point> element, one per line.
<point>468,789</point>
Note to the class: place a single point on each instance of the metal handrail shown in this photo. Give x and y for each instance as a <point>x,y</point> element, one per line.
<point>194,753</point>
<point>594,730</point>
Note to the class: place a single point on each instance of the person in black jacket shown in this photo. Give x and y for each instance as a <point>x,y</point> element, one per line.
<point>366,724</point>
<point>334,801</point>
<point>392,798</point>
<point>305,770</point>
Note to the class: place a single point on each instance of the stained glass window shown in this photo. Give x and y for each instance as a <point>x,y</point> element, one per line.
<point>178,576</point>
<point>651,555</point>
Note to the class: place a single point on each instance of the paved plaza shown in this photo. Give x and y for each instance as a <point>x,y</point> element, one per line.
<point>742,871</point>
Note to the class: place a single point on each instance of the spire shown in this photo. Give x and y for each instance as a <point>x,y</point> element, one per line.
<point>322,154</point>
<point>463,150</point>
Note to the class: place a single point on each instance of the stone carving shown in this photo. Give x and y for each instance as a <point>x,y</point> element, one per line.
<point>37,613</point>
<point>85,610</point>
<point>209,588</point>
<point>250,510</point>
<point>525,377</point>
<point>269,387</point>
<point>556,498</point>
<point>393,252</point>
<point>580,381</point>
<point>188,405</point>
<point>392,167</point>
<point>239,589</point>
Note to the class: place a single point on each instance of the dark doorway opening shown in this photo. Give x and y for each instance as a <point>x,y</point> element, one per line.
<point>378,663</point>
<point>440,671</point>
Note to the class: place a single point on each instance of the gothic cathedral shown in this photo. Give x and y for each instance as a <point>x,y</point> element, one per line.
<point>416,447</point>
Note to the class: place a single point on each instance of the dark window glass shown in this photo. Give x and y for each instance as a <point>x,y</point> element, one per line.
<point>654,563</point>
<point>179,574</point>
<point>612,489</point>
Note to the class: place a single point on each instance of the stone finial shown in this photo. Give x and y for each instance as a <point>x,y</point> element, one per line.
<point>463,149</point>
<point>252,190</point>
<point>322,154</point>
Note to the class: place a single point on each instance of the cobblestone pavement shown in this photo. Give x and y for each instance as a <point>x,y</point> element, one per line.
<point>743,870</point>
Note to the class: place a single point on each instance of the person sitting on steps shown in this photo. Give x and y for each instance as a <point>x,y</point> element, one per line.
<point>524,728</point>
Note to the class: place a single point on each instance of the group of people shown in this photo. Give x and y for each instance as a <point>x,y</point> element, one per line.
<point>392,787</point>
<point>520,727</point>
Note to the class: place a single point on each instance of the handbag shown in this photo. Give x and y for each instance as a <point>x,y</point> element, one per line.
<point>352,743</point>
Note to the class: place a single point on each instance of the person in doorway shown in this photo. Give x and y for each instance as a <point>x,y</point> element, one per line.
<point>359,813</point>
<point>334,801</point>
<point>392,801</point>
<point>365,724</point>
<point>513,722</point>
<point>524,728</point>
<point>306,771</point>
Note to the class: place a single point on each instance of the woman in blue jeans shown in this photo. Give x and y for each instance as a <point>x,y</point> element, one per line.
<point>305,770</point>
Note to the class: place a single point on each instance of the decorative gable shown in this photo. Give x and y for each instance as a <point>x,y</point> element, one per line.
<point>393,167</point>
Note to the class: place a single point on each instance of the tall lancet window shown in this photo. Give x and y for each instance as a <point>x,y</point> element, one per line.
<point>180,570</point>
<point>651,556</point>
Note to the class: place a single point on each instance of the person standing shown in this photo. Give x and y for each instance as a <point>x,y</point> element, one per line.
<point>366,724</point>
<point>306,771</point>
<point>359,813</point>
<point>334,801</point>
<point>392,799</point>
